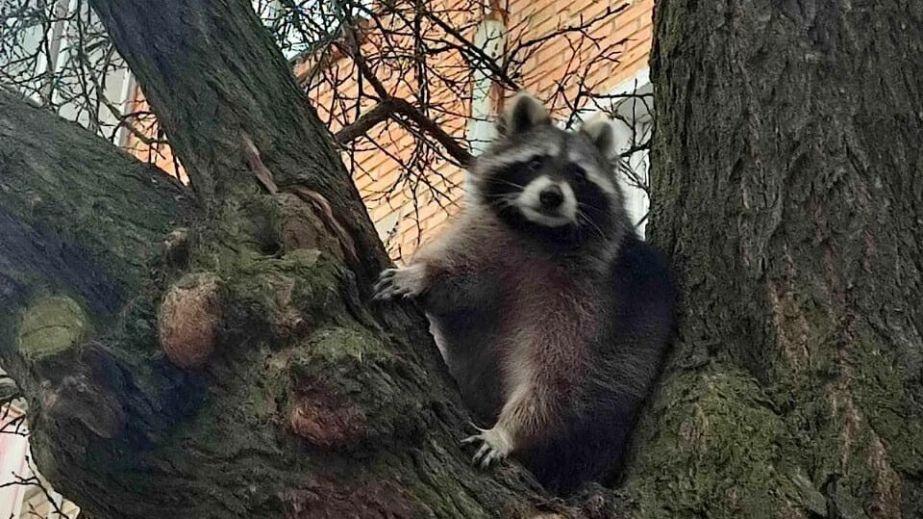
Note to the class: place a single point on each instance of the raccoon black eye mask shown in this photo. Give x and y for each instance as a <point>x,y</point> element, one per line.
<point>532,189</point>
<point>551,314</point>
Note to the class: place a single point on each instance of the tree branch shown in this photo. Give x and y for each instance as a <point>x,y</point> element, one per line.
<point>368,120</point>
<point>391,107</point>
<point>260,99</point>
<point>448,142</point>
<point>82,223</point>
<point>403,107</point>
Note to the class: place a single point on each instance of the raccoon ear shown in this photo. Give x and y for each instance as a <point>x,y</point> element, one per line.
<point>600,132</point>
<point>523,113</point>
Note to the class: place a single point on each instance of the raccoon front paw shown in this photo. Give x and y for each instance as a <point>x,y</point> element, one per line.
<point>496,444</point>
<point>409,281</point>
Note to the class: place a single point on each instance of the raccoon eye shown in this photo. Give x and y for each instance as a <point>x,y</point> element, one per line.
<point>579,175</point>
<point>535,164</point>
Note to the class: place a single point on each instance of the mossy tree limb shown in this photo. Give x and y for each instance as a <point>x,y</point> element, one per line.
<point>787,190</point>
<point>301,399</point>
<point>75,268</point>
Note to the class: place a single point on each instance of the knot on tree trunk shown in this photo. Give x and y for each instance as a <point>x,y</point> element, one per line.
<point>90,401</point>
<point>308,219</point>
<point>189,320</point>
<point>326,419</point>
<point>50,326</point>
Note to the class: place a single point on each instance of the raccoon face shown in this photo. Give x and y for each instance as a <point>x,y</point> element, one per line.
<point>546,181</point>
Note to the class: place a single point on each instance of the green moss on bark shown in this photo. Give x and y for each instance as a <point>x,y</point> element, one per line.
<point>50,326</point>
<point>718,451</point>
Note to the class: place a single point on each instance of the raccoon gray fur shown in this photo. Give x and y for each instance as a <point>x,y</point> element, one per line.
<point>551,314</point>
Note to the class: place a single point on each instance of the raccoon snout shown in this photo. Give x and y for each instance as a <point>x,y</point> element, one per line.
<point>551,197</point>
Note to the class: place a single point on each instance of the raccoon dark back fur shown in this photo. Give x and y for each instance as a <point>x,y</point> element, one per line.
<point>551,314</point>
<point>638,325</point>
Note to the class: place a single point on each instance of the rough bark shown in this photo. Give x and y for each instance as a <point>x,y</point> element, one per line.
<point>216,83</point>
<point>69,218</point>
<point>787,190</point>
<point>789,193</point>
<point>222,361</point>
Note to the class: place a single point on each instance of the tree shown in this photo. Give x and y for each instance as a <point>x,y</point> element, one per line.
<point>787,191</point>
<point>216,355</point>
<point>311,384</point>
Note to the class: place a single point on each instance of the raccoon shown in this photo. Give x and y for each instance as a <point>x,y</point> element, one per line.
<point>550,312</point>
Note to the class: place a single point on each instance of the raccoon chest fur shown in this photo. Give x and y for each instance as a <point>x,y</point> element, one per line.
<point>549,319</point>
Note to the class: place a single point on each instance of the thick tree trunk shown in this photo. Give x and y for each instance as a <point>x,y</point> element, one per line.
<point>787,190</point>
<point>222,361</point>
<point>81,225</point>
<point>789,193</point>
<point>217,82</point>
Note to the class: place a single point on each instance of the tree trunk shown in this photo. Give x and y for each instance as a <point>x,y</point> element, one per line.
<point>789,194</point>
<point>219,358</point>
<point>217,81</point>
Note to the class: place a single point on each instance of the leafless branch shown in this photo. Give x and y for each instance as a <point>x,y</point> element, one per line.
<point>378,73</point>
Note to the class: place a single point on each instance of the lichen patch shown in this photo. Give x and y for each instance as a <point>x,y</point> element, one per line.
<point>51,325</point>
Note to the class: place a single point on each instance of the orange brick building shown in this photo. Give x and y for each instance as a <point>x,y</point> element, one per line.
<point>408,206</point>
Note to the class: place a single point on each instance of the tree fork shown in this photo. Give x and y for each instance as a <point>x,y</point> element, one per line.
<point>213,100</point>
<point>794,390</point>
<point>286,395</point>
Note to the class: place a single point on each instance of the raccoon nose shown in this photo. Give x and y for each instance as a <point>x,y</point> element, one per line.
<point>551,197</point>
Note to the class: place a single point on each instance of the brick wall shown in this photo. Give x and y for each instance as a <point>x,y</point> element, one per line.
<point>406,207</point>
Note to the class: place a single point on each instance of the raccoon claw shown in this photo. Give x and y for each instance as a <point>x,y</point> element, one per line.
<point>385,285</point>
<point>400,282</point>
<point>496,446</point>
